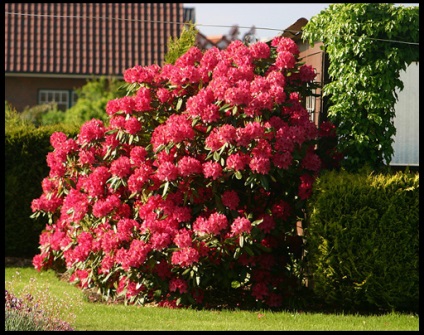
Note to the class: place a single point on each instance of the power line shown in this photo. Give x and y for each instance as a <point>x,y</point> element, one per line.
<point>294,32</point>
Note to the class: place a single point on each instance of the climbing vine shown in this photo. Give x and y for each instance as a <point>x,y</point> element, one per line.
<point>368,45</point>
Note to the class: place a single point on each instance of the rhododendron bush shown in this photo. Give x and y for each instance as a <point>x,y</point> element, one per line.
<point>194,186</point>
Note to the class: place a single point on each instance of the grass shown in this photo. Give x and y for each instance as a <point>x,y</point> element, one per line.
<point>73,306</point>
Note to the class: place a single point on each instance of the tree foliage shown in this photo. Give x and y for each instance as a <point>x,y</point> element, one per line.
<point>368,44</point>
<point>92,100</point>
<point>179,45</point>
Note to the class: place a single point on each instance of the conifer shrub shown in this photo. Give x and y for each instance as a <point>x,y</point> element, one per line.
<point>362,240</point>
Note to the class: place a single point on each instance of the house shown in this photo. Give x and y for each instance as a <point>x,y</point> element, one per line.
<point>222,41</point>
<point>406,140</point>
<point>53,48</point>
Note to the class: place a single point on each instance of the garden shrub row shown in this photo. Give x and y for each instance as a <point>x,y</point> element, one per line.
<point>362,239</point>
<point>26,149</point>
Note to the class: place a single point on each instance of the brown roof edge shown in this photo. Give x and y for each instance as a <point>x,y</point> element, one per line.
<point>295,30</point>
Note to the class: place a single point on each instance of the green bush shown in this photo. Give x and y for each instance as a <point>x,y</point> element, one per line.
<point>35,114</point>
<point>92,100</point>
<point>13,119</point>
<point>362,240</point>
<point>26,148</point>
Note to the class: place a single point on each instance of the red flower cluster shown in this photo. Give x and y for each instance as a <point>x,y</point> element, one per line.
<point>194,184</point>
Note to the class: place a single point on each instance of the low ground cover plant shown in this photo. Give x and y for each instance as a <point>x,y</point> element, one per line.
<point>30,305</point>
<point>195,185</point>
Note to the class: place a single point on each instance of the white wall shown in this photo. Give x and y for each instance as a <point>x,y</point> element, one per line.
<point>406,146</point>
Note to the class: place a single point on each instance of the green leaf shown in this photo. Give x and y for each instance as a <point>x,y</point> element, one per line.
<point>179,104</point>
<point>238,175</point>
<point>241,241</point>
<point>165,188</point>
<point>235,284</point>
<point>264,181</point>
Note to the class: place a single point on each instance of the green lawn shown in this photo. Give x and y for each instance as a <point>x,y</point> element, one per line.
<point>83,315</point>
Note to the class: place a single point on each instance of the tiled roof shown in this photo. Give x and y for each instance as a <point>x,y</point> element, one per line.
<point>87,38</point>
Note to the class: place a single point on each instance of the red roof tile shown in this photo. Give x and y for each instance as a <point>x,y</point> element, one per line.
<point>87,38</point>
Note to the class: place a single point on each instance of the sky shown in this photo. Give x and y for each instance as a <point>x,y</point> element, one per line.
<point>217,18</point>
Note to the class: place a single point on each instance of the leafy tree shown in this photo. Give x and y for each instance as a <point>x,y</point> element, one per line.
<point>180,45</point>
<point>92,100</point>
<point>368,45</point>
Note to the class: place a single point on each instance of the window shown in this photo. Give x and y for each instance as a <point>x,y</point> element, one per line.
<point>63,98</point>
<point>310,105</point>
<point>406,121</point>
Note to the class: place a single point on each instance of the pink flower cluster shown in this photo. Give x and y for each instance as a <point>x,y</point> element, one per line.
<point>198,174</point>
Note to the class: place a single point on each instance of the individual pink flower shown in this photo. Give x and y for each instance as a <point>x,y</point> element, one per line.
<point>84,247</point>
<point>189,166</point>
<point>218,86</point>
<point>121,167</point>
<point>138,155</point>
<point>201,100</point>
<point>132,125</point>
<point>305,187</point>
<point>260,291</point>
<point>160,240</point>
<point>139,178</point>
<point>307,73</point>
<point>57,139</point>
<point>267,224</point>
<point>327,129</point>
<point>212,170</point>
<point>135,103</point>
<point>82,277</point>
<point>210,58</point>
<point>103,207</point>
<point>238,94</point>
<point>185,257</point>
<point>237,161</point>
<point>126,228</point>
<point>230,199</point>
<point>56,165</point>
<point>285,60</point>
<point>46,204</point>
<point>177,284</point>
<point>75,206</point>
<point>41,261</point>
<point>260,165</point>
<point>260,50</point>
<point>164,95</point>
<point>213,225</point>
<point>191,57</point>
<point>183,239</point>
<point>134,256</point>
<point>91,131</point>
<point>167,171</point>
<point>285,44</point>
<point>240,225</point>
<point>281,210</point>
<point>141,74</point>
<point>95,183</point>
<point>251,131</point>
<point>106,265</point>
<point>311,161</point>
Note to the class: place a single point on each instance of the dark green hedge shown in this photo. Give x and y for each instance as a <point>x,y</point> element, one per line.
<point>26,149</point>
<point>362,240</point>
